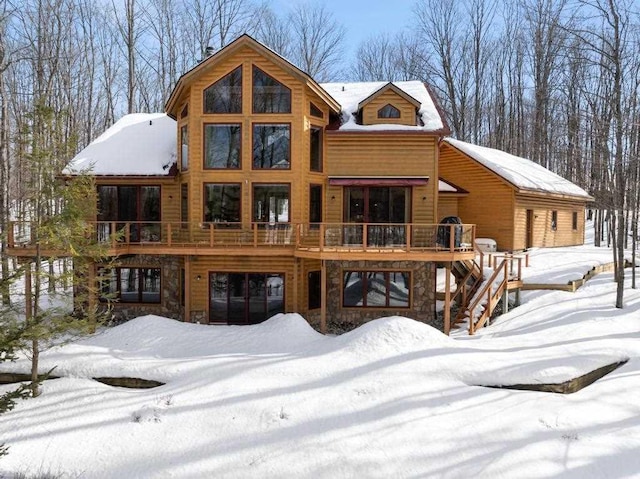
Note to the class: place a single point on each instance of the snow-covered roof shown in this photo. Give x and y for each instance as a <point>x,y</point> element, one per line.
<point>138,144</point>
<point>350,95</point>
<point>520,172</point>
<point>448,187</point>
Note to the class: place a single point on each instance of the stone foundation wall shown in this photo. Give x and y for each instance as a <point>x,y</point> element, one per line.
<point>423,295</point>
<point>169,305</point>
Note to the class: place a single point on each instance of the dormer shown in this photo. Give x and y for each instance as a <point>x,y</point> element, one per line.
<point>389,105</point>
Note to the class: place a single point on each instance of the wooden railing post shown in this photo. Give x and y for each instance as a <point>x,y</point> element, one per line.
<point>127,233</point>
<point>452,238</point>
<point>298,227</point>
<point>255,235</point>
<point>365,235</point>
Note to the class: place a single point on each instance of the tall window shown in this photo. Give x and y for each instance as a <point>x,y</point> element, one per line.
<point>245,298</point>
<point>574,221</point>
<point>225,95</point>
<point>271,203</point>
<point>131,285</point>
<point>222,145</point>
<point>388,111</point>
<point>222,203</point>
<point>376,289</point>
<point>269,95</point>
<point>554,220</point>
<point>139,206</point>
<point>184,205</point>
<point>271,146</point>
<point>314,292</point>
<point>184,147</point>
<point>315,153</point>
<point>315,204</point>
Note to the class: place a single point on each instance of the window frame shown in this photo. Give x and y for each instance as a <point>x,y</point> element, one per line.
<point>315,111</point>
<point>184,159</point>
<point>388,112</point>
<point>387,273</point>
<point>316,276</point>
<point>223,77</point>
<point>554,220</point>
<point>139,219</point>
<point>315,186</point>
<point>253,203</point>
<point>574,221</point>
<point>316,166</point>
<point>228,224</point>
<point>204,146</point>
<point>117,294</point>
<point>254,111</point>
<point>253,147</point>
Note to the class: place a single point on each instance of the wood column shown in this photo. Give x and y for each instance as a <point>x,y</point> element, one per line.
<point>447,298</point>
<point>323,297</point>
<point>187,289</point>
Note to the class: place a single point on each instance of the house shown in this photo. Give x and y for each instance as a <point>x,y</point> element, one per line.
<point>260,191</point>
<point>518,203</point>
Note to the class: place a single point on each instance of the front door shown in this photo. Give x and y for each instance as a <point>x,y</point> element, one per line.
<point>386,209</point>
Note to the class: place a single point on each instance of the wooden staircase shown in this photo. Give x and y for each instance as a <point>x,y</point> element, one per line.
<point>477,297</point>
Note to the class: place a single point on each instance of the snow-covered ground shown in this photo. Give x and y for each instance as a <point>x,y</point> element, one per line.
<point>393,398</point>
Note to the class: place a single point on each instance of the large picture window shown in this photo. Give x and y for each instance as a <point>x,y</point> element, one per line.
<point>271,146</point>
<point>271,203</point>
<point>222,144</point>
<point>245,298</point>
<point>376,289</point>
<point>130,285</point>
<point>269,95</point>
<point>138,206</point>
<point>225,95</point>
<point>222,203</point>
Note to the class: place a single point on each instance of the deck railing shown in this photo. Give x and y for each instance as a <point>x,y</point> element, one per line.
<point>303,236</point>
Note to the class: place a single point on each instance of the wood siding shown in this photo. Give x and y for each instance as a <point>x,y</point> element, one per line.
<point>383,155</point>
<point>447,206</point>
<point>490,202</point>
<point>407,110</point>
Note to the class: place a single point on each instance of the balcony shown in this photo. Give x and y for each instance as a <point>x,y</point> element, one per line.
<point>352,241</point>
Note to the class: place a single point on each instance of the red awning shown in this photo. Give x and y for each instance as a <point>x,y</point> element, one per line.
<point>362,181</point>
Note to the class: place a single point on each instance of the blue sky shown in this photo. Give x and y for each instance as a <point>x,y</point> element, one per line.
<point>362,18</point>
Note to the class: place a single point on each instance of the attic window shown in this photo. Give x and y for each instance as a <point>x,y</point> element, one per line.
<point>225,95</point>
<point>185,111</point>
<point>269,95</point>
<point>315,111</point>
<point>388,111</point>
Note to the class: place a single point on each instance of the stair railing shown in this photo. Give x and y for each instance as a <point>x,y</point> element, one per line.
<point>488,297</point>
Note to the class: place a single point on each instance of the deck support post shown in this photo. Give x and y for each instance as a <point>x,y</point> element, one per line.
<point>447,298</point>
<point>517,303</point>
<point>187,289</point>
<point>505,301</point>
<point>323,297</point>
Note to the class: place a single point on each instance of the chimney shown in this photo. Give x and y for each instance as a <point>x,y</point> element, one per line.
<point>209,51</point>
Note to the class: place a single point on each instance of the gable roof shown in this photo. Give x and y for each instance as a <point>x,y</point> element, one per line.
<point>522,173</point>
<point>447,187</point>
<point>352,96</point>
<point>140,144</point>
<point>395,89</point>
<point>246,40</point>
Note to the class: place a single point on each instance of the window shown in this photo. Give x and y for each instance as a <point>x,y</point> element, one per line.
<point>315,111</point>
<point>225,95</point>
<point>185,111</point>
<point>574,221</point>
<point>314,293</point>
<point>184,205</point>
<point>138,206</point>
<point>315,205</point>
<point>184,148</point>
<point>388,111</point>
<point>245,298</point>
<point>222,203</point>
<point>271,203</point>
<point>269,95</point>
<point>222,145</point>
<point>271,146</point>
<point>130,285</point>
<point>376,289</point>
<point>315,153</point>
<point>554,220</point>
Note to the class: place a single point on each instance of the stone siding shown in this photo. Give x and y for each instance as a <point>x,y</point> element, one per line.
<point>423,296</point>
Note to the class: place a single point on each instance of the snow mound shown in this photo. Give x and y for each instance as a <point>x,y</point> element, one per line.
<point>393,335</point>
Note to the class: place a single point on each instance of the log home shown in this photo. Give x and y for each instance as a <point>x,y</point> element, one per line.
<point>260,191</point>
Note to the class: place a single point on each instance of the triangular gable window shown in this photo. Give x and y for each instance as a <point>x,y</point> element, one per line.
<point>315,111</point>
<point>388,111</point>
<point>225,95</point>
<point>269,95</point>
